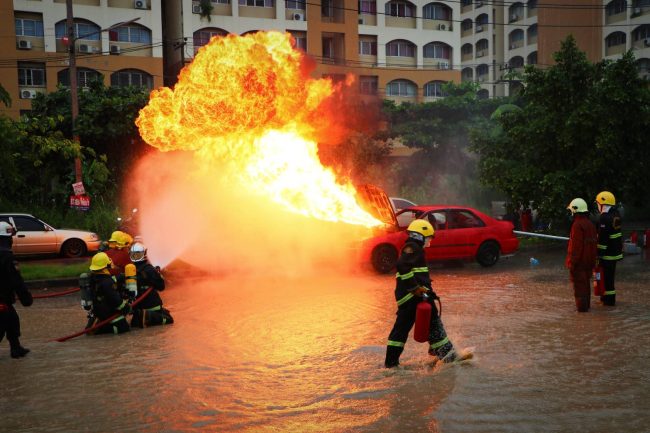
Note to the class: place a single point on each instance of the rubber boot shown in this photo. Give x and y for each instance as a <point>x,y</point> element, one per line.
<point>608,300</point>
<point>17,351</point>
<point>392,356</point>
<point>582,303</point>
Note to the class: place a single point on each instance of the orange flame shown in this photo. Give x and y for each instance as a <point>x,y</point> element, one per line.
<point>246,106</point>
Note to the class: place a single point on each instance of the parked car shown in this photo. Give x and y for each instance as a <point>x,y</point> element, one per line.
<point>461,233</point>
<point>34,236</point>
<point>398,204</point>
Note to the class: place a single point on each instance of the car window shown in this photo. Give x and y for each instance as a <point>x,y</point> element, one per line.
<point>438,220</point>
<point>27,224</point>
<point>402,204</point>
<point>4,218</point>
<point>463,219</point>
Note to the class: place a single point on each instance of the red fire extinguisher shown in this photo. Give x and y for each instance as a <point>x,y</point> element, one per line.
<point>422,320</point>
<point>599,281</point>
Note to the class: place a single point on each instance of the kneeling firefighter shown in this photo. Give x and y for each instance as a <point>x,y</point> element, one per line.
<point>149,311</point>
<point>99,294</point>
<point>412,282</point>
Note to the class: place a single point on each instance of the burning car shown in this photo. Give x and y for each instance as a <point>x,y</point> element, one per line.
<point>462,233</point>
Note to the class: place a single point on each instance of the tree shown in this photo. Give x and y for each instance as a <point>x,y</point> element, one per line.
<point>582,129</point>
<point>4,97</point>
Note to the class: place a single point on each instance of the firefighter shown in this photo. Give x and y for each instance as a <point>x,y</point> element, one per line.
<point>11,284</point>
<point>610,243</point>
<point>412,282</point>
<point>106,300</point>
<point>581,253</point>
<point>150,310</point>
<point>118,251</point>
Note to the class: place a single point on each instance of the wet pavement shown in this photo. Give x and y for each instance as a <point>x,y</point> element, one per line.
<point>305,353</point>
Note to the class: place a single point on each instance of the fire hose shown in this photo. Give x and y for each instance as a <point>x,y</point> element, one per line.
<point>103,322</point>
<point>540,235</point>
<point>52,295</point>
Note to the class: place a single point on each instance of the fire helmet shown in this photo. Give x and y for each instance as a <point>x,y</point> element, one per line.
<point>100,261</point>
<point>420,229</point>
<point>138,252</point>
<point>606,197</point>
<point>115,237</point>
<point>124,240</point>
<point>7,229</point>
<point>578,205</point>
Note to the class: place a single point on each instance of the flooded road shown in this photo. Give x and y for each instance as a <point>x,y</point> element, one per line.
<point>305,354</point>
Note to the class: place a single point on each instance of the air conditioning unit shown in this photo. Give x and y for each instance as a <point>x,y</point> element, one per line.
<point>139,4</point>
<point>298,17</point>
<point>197,9</point>
<point>24,44</point>
<point>83,48</point>
<point>442,27</point>
<point>115,49</point>
<point>361,21</point>
<point>28,94</point>
<point>443,65</point>
<point>479,29</point>
<point>514,17</point>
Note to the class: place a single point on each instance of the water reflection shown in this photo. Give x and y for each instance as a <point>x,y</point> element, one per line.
<point>305,354</point>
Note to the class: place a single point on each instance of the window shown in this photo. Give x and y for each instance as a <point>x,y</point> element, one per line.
<point>84,77</point>
<point>482,20</point>
<point>532,31</point>
<point>436,12</point>
<point>295,4</point>
<point>467,74</point>
<point>641,33</point>
<point>516,62</point>
<point>27,224</point>
<point>301,40</point>
<point>367,48</point>
<point>131,78</point>
<point>516,36</point>
<point>82,30</point>
<point>368,85</point>
<point>615,39</point>
<point>482,45</point>
<point>26,27</point>
<point>483,94</point>
<point>463,219</point>
<point>400,9</point>
<point>134,34</point>
<point>223,2</point>
<point>400,49</point>
<point>466,49</point>
<point>434,88</point>
<point>327,8</point>
<point>643,65</point>
<point>466,25</point>
<point>482,70</point>
<point>31,74</point>
<point>401,88</point>
<point>258,3</point>
<point>438,220</point>
<point>368,7</point>
<point>466,3</point>
<point>532,58</point>
<point>616,7</point>
<point>437,50</point>
<point>202,37</point>
<point>532,4</point>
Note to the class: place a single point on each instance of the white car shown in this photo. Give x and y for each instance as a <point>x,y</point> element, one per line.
<point>34,236</point>
<point>398,204</point>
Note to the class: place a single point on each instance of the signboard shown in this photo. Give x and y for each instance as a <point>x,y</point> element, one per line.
<point>78,188</point>
<point>80,202</point>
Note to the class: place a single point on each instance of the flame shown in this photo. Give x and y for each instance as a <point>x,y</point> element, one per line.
<point>246,107</point>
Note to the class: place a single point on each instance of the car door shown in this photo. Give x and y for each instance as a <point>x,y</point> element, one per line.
<point>33,237</point>
<point>438,250</point>
<point>463,232</point>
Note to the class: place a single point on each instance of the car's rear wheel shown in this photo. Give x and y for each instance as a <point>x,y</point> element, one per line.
<point>384,258</point>
<point>488,254</point>
<point>73,248</point>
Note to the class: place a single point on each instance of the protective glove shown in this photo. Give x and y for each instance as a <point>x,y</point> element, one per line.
<point>25,298</point>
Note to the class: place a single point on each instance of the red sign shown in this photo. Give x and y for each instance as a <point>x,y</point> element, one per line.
<point>78,188</point>
<point>80,202</point>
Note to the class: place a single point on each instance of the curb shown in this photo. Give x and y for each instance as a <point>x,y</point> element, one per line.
<point>46,284</point>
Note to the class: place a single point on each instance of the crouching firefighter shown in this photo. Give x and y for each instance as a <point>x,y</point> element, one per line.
<point>412,282</point>
<point>99,296</point>
<point>149,311</point>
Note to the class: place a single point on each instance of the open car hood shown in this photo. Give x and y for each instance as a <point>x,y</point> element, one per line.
<point>375,201</point>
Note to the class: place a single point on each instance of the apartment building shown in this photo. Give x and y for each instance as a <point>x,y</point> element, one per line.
<point>34,55</point>
<point>502,37</point>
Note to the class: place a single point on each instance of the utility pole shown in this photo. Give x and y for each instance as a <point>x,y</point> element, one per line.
<point>72,72</point>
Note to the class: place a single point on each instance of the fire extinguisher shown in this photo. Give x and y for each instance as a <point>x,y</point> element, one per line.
<point>423,320</point>
<point>599,281</point>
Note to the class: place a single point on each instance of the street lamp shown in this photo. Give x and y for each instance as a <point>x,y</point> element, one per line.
<point>72,69</point>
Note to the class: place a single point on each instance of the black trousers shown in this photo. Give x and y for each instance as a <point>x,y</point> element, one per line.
<point>9,323</point>
<point>145,318</point>
<point>609,271</point>
<point>439,344</point>
<point>113,328</point>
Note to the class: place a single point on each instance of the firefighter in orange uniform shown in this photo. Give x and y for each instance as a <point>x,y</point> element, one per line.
<point>582,253</point>
<point>610,243</point>
<point>412,282</point>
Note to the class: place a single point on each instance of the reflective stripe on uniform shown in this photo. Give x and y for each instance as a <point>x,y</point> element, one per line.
<point>439,343</point>
<point>118,318</point>
<point>610,292</point>
<point>618,257</point>
<point>423,269</point>
<point>615,235</point>
<point>395,343</point>
<point>122,305</point>
<point>602,247</point>
<point>156,308</point>
<point>404,276</point>
<point>404,299</point>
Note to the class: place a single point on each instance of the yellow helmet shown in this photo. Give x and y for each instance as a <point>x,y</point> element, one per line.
<point>115,237</point>
<point>578,205</point>
<point>100,261</point>
<point>422,227</point>
<point>124,240</point>
<point>606,197</point>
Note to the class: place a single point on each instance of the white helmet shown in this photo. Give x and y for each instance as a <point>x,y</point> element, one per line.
<point>7,229</point>
<point>578,205</point>
<point>138,252</point>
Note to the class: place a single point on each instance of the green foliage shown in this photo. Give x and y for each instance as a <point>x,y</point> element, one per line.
<point>582,129</point>
<point>206,9</point>
<point>5,98</point>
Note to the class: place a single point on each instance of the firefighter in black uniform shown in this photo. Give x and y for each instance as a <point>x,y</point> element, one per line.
<point>106,298</point>
<point>149,311</point>
<point>11,284</point>
<point>412,282</point>
<point>610,243</point>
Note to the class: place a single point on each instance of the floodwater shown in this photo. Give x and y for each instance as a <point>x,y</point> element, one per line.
<point>271,354</point>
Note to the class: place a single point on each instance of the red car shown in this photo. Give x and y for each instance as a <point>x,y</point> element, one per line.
<point>461,233</point>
